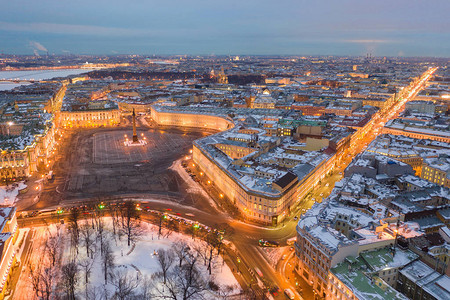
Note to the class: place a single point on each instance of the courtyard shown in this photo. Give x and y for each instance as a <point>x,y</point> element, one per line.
<point>95,164</point>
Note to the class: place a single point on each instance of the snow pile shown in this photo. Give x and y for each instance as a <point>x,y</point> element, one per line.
<point>273,254</point>
<point>8,194</point>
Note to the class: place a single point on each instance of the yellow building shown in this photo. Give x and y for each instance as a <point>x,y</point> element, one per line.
<point>437,170</point>
<point>18,164</point>
<point>174,118</point>
<point>374,102</point>
<point>8,237</point>
<point>263,205</point>
<point>90,118</point>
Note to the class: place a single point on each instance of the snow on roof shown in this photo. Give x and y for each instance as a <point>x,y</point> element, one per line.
<point>329,237</point>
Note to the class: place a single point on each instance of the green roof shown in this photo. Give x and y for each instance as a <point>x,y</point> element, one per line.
<point>384,259</point>
<point>358,277</point>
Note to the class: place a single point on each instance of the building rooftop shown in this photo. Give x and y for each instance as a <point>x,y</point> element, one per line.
<point>354,274</point>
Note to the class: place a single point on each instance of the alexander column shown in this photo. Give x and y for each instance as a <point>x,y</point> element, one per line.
<point>135,137</point>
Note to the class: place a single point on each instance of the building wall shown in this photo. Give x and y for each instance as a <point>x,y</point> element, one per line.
<point>435,175</point>
<point>8,258</point>
<point>425,107</point>
<point>190,120</point>
<point>415,162</point>
<point>128,107</point>
<point>337,290</point>
<point>416,135</point>
<point>374,102</point>
<point>21,163</point>
<point>7,261</point>
<point>234,151</point>
<point>14,165</point>
<point>89,118</point>
<point>253,206</point>
<point>314,263</point>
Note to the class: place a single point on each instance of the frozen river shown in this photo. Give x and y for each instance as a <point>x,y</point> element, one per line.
<point>40,74</point>
<point>34,75</point>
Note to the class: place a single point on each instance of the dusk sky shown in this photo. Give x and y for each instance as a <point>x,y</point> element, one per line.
<point>344,27</point>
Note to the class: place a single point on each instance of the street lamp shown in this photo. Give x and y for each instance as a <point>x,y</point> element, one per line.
<point>238,263</point>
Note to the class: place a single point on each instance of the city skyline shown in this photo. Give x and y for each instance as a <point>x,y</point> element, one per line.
<point>403,28</point>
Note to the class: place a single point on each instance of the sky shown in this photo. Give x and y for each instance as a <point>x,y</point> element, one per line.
<point>227,27</point>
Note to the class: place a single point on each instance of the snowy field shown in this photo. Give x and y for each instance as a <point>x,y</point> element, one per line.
<point>107,268</point>
<point>8,194</point>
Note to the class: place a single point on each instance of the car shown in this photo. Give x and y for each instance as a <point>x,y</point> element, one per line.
<point>290,294</point>
<point>264,243</point>
<point>283,257</point>
<point>274,290</point>
<point>327,185</point>
<point>258,271</point>
<point>295,218</point>
<point>321,194</point>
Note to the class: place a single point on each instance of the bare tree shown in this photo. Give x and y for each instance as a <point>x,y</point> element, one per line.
<point>115,219</point>
<point>41,277</point>
<point>130,221</point>
<point>96,293</point>
<point>183,283</point>
<point>87,236</point>
<point>162,218</point>
<point>146,288</point>
<point>53,244</point>
<point>107,259</point>
<point>100,225</point>
<point>69,277</point>
<point>182,251</point>
<point>87,264</point>
<point>226,291</point>
<point>213,241</point>
<point>188,281</point>
<point>74,227</point>
<point>165,260</point>
<point>125,285</point>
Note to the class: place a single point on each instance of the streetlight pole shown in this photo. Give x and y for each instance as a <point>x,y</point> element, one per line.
<point>238,263</point>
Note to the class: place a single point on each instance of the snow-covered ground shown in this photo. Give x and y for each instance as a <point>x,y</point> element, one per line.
<point>273,255</point>
<point>8,194</point>
<point>139,262</point>
<point>194,187</point>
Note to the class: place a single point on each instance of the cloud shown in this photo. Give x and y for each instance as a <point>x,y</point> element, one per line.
<point>73,29</point>
<point>38,46</point>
